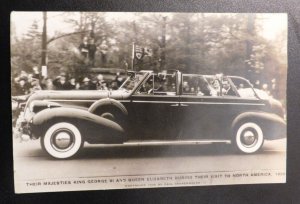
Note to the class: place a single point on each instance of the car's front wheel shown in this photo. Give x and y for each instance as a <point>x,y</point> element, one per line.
<point>62,140</point>
<point>249,137</point>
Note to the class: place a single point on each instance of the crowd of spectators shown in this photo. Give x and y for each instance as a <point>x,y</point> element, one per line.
<point>26,83</point>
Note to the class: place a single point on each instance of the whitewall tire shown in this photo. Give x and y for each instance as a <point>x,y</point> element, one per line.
<point>249,138</point>
<point>62,140</point>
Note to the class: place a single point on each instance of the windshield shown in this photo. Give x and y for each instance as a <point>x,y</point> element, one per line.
<point>132,81</point>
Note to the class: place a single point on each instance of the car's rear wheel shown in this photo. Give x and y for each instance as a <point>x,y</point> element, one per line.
<point>62,140</point>
<point>249,137</point>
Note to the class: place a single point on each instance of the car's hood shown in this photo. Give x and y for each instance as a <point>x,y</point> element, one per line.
<point>77,95</point>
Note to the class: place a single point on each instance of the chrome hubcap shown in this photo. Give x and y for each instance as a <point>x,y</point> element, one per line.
<point>249,138</point>
<point>62,140</point>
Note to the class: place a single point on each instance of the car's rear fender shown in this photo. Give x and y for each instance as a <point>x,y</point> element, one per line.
<point>94,129</point>
<point>272,125</point>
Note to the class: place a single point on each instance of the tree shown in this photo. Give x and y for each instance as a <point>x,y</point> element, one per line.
<point>25,52</point>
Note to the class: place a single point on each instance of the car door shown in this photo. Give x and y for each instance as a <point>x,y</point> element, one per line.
<point>198,115</point>
<point>155,109</point>
<point>209,115</point>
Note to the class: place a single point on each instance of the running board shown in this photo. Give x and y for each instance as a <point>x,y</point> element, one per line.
<point>174,142</point>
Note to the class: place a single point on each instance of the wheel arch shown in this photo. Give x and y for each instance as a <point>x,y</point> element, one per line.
<point>107,102</point>
<point>273,126</point>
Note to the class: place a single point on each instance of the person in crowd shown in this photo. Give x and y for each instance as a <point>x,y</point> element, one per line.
<point>93,83</point>
<point>77,86</point>
<point>29,78</point>
<point>124,65</point>
<point>265,87</point>
<point>36,74</point>
<point>101,85</point>
<point>186,87</point>
<point>35,85</point>
<point>23,74</point>
<point>22,87</point>
<point>91,51</point>
<point>85,84</point>
<point>47,84</point>
<point>61,82</point>
<point>72,83</point>
<point>118,79</point>
<point>84,47</point>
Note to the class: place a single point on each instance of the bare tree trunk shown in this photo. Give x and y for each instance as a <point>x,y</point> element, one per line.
<point>249,71</point>
<point>163,45</point>
<point>44,40</point>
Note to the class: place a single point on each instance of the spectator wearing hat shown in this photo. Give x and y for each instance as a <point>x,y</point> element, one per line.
<point>35,85</point>
<point>61,83</point>
<point>72,83</point>
<point>85,84</point>
<point>22,87</point>
<point>100,85</point>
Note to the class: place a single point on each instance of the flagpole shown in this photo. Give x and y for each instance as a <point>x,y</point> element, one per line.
<point>132,64</point>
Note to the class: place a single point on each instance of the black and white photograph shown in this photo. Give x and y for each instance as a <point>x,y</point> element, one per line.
<point>126,100</point>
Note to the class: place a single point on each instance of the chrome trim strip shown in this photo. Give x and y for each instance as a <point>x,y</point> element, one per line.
<point>173,102</point>
<point>176,142</point>
<point>221,103</point>
<point>76,100</point>
<point>215,103</point>
<point>161,143</point>
<point>82,100</point>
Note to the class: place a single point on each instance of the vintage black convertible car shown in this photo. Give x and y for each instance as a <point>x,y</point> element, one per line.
<point>155,109</point>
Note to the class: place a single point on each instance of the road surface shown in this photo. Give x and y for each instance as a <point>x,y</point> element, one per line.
<point>31,164</point>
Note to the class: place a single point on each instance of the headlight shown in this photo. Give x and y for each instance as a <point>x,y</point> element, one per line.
<point>31,107</point>
<point>28,114</point>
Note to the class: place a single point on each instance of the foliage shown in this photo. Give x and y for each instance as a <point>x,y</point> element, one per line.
<point>191,42</point>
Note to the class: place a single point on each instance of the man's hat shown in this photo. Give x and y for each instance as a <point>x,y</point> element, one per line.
<point>86,79</point>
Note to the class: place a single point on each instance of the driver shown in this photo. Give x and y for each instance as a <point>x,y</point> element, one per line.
<point>147,87</point>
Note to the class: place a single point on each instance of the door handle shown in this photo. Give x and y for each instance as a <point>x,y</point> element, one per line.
<point>174,105</point>
<point>183,104</point>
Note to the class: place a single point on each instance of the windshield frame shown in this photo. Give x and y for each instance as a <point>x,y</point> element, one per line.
<point>143,75</point>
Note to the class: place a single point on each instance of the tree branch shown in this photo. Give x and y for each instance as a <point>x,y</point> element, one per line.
<point>67,34</point>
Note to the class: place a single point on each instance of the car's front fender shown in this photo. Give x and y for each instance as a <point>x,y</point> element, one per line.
<point>92,127</point>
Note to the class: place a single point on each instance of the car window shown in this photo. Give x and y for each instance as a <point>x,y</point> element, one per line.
<point>243,87</point>
<point>158,84</point>
<point>196,85</point>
